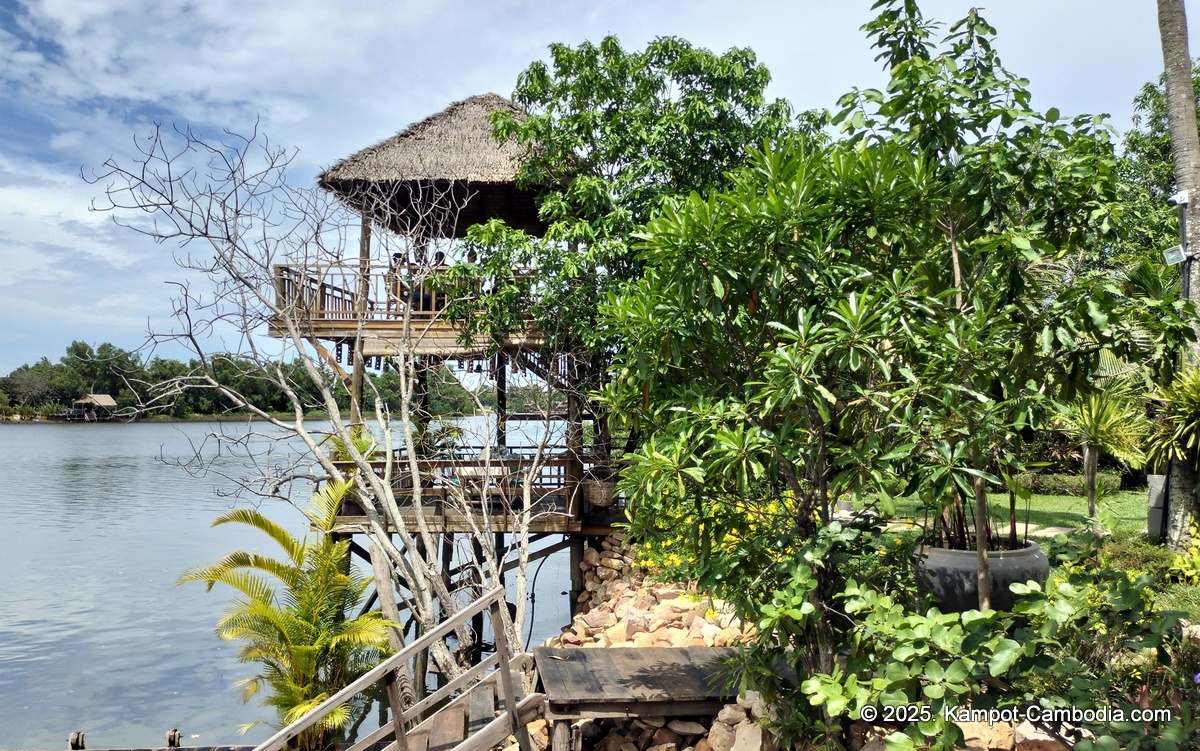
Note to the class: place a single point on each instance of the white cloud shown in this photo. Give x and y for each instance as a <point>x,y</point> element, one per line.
<point>79,77</point>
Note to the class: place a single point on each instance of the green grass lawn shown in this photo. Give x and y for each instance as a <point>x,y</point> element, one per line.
<point>1126,511</point>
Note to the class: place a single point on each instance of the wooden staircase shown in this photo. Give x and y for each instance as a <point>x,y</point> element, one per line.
<point>466,715</point>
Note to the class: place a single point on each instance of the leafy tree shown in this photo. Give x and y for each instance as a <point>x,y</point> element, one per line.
<point>535,399</point>
<point>1022,193</point>
<point>295,617</point>
<point>1110,420</point>
<point>775,358</point>
<point>610,134</point>
<point>1147,224</point>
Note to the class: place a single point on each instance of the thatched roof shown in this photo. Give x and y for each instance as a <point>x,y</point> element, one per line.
<point>449,161</point>
<point>100,400</point>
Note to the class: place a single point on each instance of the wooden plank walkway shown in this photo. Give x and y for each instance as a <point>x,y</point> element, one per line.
<point>641,682</point>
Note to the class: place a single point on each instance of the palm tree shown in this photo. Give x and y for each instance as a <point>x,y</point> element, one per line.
<point>293,617</point>
<point>1110,419</point>
<point>1185,154</point>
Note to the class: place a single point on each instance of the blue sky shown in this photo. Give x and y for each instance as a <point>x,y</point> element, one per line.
<point>80,78</point>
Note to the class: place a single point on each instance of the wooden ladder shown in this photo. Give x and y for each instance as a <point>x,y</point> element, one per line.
<point>466,718</point>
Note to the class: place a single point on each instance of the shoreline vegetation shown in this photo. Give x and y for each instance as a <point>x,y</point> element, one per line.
<point>38,392</point>
<point>38,419</point>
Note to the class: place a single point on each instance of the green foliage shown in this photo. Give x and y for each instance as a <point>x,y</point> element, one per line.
<point>1185,566</point>
<point>1147,224</point>
<point>775,360</point>
<point>1176,434</point>
<point>1112,419</point>
<point>1095,640</point>
<point>1072,485</point>
<point>107,369</point>
<point>535,399</point>
<point>1135,554</point>
<point>294,617</point>
<point>610,135</point>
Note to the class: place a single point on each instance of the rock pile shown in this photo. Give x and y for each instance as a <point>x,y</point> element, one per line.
<point>618,609</point>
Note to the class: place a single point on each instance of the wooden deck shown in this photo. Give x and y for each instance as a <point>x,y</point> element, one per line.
<point>491,488</point>
<point>394,316</point>
<point>633,682</point>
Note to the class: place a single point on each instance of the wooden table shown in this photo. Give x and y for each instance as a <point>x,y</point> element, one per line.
<point>632,682</point>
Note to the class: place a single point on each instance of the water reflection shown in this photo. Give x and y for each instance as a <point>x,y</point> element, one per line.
<point>94,636</point>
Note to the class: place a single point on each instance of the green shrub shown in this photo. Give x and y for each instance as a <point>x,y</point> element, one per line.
<point>1106,483</point>
<point>1137,555</point>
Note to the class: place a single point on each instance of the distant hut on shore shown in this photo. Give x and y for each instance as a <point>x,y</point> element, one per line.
<point>91,408</point>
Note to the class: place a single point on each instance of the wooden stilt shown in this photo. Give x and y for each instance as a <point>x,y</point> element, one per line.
<point>360,312</point>
<point>562,736</point>
<point>498,541</point>
<point>574,468</point>
<point>479,591</point>
<point>447,563</point>
<point>577,585</point>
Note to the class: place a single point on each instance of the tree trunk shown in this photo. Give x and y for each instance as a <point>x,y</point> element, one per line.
<point>1090,460</point>
<point>1185,153</point>
<point>981,544</point>
<point>1181,499</point>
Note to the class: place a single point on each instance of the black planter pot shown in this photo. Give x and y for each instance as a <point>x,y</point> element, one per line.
<point>952,575</point>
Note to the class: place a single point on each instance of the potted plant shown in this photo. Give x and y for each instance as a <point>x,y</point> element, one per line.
<point>965,414</point>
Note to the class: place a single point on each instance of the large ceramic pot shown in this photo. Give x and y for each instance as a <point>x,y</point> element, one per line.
<point>952,575</point>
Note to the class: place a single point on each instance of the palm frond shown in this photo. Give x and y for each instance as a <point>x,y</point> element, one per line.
<point>293,547</point>
<point>232,570</point>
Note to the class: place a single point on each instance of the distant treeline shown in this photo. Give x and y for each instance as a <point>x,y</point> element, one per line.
<point>47,387</point>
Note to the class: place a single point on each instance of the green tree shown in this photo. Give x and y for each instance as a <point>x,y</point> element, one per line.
<point>294,617</point>
<point>775,359</point>
<point>610,134</point>
<point>1110,420</point>
<point>1147,224</point>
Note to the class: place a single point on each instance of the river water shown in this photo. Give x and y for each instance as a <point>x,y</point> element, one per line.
<point>94,634</point>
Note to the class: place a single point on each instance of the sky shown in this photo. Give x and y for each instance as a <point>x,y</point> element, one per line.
<point>79,79</point>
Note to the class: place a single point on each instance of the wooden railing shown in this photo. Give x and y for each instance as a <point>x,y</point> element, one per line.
<point>510,722</point>
<point>480,482</point>
<point>327,291</point>
<point>319,292</point>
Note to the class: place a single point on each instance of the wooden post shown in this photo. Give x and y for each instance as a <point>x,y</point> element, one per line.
<point>501,398</point>
<point>477,621</point>
<point>577,581</point>
<point>447,564</point>
<point>401,693</point>
<point>574,469</point>
<point>498,542</point>
<point>360,312</point>
<point>562,736</point>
